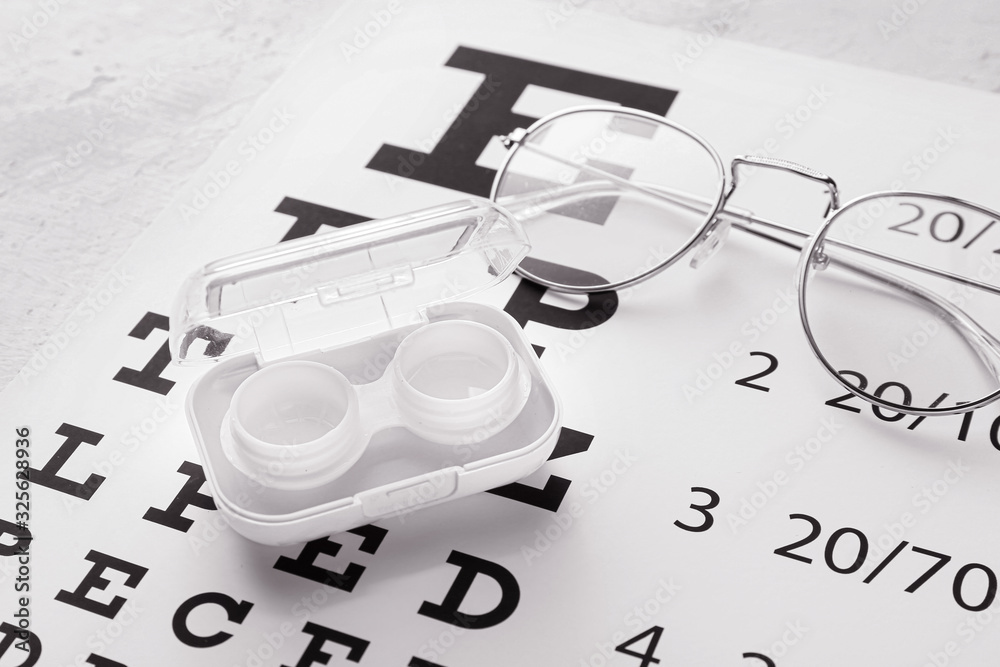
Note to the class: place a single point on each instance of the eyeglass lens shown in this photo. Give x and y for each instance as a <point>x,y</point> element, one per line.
<point>569,184</point>
<point>907,336</point>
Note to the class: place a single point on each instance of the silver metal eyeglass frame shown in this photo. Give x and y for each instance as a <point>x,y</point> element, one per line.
<point>718,218</point>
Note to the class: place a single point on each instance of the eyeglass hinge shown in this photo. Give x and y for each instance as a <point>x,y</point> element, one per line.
<point>514,137</point>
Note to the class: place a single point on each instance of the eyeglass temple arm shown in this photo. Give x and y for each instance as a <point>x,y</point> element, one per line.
<point>978,338</point>
<point>535,203</point>
<point>982,342</point>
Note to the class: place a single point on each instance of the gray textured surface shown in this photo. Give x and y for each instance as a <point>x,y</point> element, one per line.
<point>109,106</point>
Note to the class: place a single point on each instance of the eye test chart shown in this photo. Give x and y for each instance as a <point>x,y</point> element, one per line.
<point>714,497</point>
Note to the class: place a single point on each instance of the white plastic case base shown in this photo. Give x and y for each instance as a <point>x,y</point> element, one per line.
<point>355,296</point>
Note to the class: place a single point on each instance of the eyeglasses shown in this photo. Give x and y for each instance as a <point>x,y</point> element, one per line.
<point>895,289</point>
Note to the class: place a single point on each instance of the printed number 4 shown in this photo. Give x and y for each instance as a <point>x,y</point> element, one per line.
<point>646,658</point>
<point>654,633</point>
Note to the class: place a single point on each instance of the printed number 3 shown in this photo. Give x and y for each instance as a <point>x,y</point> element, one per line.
<point>713,502</point>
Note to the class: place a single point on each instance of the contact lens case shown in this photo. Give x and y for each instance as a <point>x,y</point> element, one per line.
<point>351,381</point>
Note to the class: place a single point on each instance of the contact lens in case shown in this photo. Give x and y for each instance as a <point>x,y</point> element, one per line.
<point>352,382</point>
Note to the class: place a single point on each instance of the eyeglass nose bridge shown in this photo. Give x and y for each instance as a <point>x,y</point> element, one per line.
<point>784,165</point>
<point>716,233</point>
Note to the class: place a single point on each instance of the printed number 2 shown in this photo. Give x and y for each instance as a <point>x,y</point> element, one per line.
<point>814,532</point>
<point>771,366</point>
<point>713,502</point>
<point>647,657</point>
<point>758,656</point>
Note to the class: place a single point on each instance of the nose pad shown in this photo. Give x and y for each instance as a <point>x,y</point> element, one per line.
<point>819,260</point>
<point>714,239</point>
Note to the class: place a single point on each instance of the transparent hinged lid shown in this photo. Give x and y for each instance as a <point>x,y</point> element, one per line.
<point>331,289</point>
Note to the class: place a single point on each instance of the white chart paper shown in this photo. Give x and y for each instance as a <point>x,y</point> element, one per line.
<point>129,565</point>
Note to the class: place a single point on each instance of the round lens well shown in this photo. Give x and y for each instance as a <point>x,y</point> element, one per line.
<point>458,381</point>
<point>458,360</point>
<point>292,403</point>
